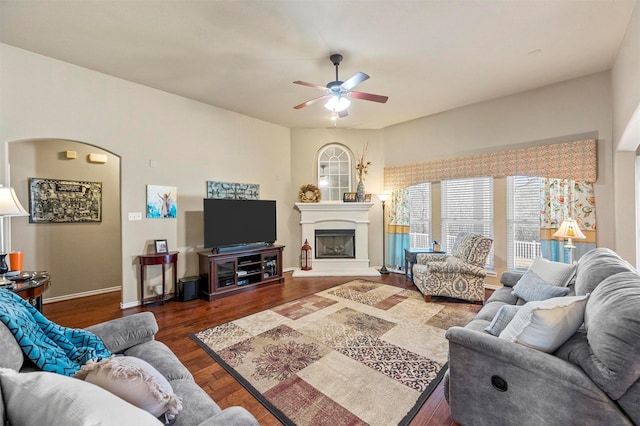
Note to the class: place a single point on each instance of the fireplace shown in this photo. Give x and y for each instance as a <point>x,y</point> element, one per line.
<point>339,237</point>
<point>335,243</point>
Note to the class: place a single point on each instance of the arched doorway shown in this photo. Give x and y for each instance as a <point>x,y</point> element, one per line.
<point>83,258</point>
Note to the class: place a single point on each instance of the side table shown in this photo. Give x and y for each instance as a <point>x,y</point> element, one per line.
<point>163,259</point>
<point>31,286</point>
<point>410,259</point>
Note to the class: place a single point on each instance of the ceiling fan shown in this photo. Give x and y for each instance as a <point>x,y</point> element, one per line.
<point>338,92</point>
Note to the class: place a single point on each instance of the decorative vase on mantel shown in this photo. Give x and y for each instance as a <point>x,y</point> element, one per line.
<point>360,191</point>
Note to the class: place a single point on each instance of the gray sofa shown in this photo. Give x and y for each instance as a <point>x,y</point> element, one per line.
<point>591,379</point>
<point>134,336</point>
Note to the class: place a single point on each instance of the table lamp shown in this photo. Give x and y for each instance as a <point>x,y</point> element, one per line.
<point>570,230</point>
<point>383,198</point>
<point>9,206</point>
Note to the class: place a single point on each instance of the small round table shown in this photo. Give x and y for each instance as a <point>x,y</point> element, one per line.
<point>30,286</point>
<point>164,259</point>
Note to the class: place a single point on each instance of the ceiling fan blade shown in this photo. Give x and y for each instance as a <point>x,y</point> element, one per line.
<point>343,114</point>
<point>369,97</point>
<point>304,83</point>
<point>310,101</point>
<point>354,80</point>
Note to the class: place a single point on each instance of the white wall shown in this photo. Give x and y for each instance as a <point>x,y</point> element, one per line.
<point>305,144</point>
<point>190,142</point>
<point>572,110</point>
<point>625,83</point>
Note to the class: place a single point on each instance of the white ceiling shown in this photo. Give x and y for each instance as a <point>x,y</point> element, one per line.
<point>428,56</point>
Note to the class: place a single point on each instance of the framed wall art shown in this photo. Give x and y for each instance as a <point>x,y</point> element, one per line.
<point>161,202</point>
<point>64,201</point>
<point>233,190</point>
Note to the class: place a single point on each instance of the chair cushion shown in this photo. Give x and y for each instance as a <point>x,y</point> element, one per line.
<point>135,381</point>
<point>463,245</point>
<point>546,324</point>
<point>531,287</point>
<point>596,265</point>
<point>555,273</point>
<point>502,318</point>
<point>612,321</point>
<point>36,399</point>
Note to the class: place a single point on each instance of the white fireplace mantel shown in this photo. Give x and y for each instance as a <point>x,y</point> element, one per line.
<point>337,215</point>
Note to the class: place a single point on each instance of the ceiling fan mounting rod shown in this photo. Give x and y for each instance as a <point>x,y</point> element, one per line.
<point>336,58</point>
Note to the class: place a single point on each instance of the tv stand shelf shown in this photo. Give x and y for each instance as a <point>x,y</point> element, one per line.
<point>230,272</point>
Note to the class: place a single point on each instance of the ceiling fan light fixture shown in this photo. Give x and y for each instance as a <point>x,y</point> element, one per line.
<point>337,103</point>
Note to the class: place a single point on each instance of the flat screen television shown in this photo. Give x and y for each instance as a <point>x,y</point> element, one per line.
<point>238,222</point>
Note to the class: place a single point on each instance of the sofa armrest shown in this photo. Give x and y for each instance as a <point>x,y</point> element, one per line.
<point>494,381</point>
<point>423,258</point>
<point>122,333</point>
<point>510,278</point>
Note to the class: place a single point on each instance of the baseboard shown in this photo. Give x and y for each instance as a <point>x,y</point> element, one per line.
<point>79,295</point>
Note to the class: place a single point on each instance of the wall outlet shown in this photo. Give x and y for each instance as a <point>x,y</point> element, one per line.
<point>135,216</point>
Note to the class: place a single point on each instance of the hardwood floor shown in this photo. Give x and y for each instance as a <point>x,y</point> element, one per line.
<point>178,319</point>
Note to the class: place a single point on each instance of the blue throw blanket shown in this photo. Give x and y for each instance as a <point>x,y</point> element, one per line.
<point>51,347</point>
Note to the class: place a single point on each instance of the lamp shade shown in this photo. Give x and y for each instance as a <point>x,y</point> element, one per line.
<point>337,103</point>
<point>9,203</point>
<point>569,229</point>
<point>383,197</point>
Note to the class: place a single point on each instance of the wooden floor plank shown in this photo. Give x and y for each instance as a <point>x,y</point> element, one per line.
<point>178,319</point>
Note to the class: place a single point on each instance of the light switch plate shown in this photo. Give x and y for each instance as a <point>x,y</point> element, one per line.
<point>135,216</point>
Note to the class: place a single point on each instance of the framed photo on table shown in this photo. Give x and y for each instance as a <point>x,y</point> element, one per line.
<point>161,246</point>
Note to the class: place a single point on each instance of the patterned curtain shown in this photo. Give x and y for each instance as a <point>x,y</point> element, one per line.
<point>561,199</point>
<point>397,230</point>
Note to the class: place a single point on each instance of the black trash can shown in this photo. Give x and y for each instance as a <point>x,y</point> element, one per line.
<point>188,288</point>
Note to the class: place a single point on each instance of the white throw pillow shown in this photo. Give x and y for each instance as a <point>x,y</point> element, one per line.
<point>555,273</point>
<point>43,398</point>
<point>546,324</point>
<point>134,380</point>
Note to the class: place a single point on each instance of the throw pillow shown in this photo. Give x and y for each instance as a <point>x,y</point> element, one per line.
<point>43,398</point>
<point>531,288</point>
<point>502,318</point>
<point>136,381</point>
<point>546,324</point>
<point>555,273</point>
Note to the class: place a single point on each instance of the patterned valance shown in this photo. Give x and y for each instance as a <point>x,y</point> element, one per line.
<point>569,160</point>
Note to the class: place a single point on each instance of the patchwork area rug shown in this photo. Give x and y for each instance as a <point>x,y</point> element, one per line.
<point>359,353</point>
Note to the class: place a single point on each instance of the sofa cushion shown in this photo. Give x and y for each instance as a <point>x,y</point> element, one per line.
<point>612,322</point>
<point>135,381</point>
<point>502,318</point>
<point>596,265</point>
<point>12,355</point>
<point>36,399</point>
<point>531,287</point>
<point>546,324</point>
<point>555,273</point>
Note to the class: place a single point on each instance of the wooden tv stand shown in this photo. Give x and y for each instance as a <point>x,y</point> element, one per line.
<point>231,272</point>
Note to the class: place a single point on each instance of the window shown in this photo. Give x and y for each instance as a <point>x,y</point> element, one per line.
<point>467,206</point>
<point>334,172</point>
<point>523,221</point>
<point>420,216</point>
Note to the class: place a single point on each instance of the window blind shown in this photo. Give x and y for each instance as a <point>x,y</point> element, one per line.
<point>523,221</point>
<point>467,206</point>
<point>420,216</point>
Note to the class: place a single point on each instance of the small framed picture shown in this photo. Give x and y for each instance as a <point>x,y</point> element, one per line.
<point>367,198</point>
<point>161,246</point>
<point>349,197</point>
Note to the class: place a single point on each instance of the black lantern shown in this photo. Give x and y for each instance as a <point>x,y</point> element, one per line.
<point>305,256</point>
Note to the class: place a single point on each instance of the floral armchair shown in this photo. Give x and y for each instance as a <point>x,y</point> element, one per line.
<point>459,274</point>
